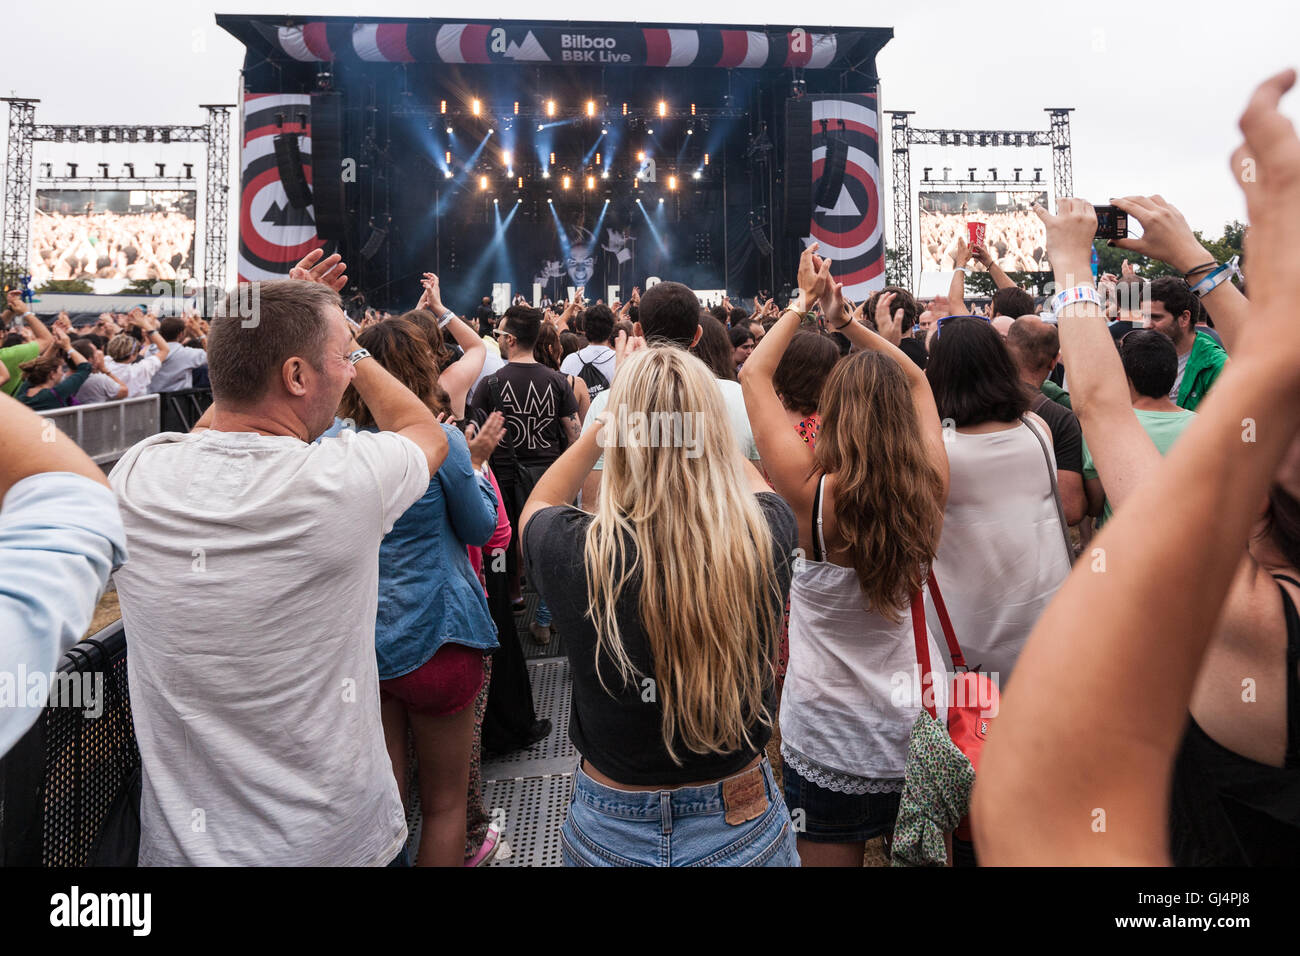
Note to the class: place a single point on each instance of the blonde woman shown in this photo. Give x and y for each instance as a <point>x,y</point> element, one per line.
<point>670,598</point>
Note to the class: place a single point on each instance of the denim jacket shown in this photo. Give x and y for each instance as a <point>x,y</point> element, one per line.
<point>428,591</point>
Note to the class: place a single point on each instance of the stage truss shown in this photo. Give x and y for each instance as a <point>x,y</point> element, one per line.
<point>904,136</point>
<point>15,247</point>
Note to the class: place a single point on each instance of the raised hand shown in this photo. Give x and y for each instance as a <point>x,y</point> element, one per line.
<point>329,271</point>
<point>982,255</point>
<point>483,441</point>
<point>624,346</point>
<point>812,283</point>
<point>1069,240</point>
<point>1267,167</point>
<point>1165,235</point>
<point>963,253</point>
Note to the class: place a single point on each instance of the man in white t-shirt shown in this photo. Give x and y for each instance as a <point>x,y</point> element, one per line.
<point>670,314</point>
<point>249,599</point>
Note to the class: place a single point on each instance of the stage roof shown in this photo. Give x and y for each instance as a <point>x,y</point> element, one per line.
<point>543,43</point>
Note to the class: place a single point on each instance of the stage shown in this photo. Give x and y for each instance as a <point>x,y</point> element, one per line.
<point>537,157</point>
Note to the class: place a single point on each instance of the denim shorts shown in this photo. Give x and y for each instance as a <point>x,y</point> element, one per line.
<point>682,827</point>
<point>827,816</point>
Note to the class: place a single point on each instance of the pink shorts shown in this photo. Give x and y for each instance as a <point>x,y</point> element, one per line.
<point>445,684</point>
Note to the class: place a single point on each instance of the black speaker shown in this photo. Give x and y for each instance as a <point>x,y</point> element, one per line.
<point>374,242</point>
<point>832,178</point>
<point>798,167</point>
<point>288,159</point>
<point>760,239</point>
<point>327,164</point>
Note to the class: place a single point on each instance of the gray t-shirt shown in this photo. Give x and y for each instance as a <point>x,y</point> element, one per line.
<point>249,603</point>
<point>98,388</point>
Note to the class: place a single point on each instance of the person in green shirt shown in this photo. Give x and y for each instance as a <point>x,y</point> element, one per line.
<point>1151,364</point>
<point>16,355</point>
<point>1200,359</point>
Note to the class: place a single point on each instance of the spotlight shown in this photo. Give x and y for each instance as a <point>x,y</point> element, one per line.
<point>690,132</point>
<point>661,200</point>
<point>491,131</point>
<point>550,107</point>
<point>444,106</point>
<point>706,159</point>
<point>692,109</point>
<point>640,156</point>
<point>650,132</point>
<point>566,182</point>
<point>540,128</point>
<point>496,202</point>
<point>591,182</point>
<point>624,109</point>
<point>546,174</point>
<point>604,132</point>
<point>447,174</point>
<point>598,159</point>
<point>518,201</point>
<point>448,130</point>
<point>483,183</point>
<point>605,174</point>
<point>521,182</point>
<point>476,107</point>
<point>552,159</point>
<point>672,182</point>
<point>549,201</point>
<point>516,107</point>
<point>695,175</point>
<point>507,157</point>
<point>448,157</point>
<point>591,107</point>
<point>663,108</point>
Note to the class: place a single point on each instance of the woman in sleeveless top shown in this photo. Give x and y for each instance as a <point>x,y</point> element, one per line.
<point>1003,552</point>
<point>1181,606</point>
<point>869,502</point>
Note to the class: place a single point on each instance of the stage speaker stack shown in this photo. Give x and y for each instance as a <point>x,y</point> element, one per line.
<point>798,166</point>
<point>288,160</point>
<point>831,183</point>
<point>760,239</point>
<point>327,164</point>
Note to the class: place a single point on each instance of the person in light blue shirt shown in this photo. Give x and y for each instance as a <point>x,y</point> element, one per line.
<point>60,537</point>
<point>177,371</point>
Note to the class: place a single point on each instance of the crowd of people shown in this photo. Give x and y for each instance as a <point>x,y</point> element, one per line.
<point>147,245</point>
<point>776,541</point>
<point>118,356</point>
<point>1013,237</point>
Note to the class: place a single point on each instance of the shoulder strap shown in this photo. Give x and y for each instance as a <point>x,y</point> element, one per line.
<point>494,397</point>
<point>819,542</point>
<point>1056,491</point>
<point>1292,679</point>
<point>923,645</point>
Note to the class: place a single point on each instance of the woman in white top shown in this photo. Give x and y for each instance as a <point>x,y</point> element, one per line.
<point>1003,552</point>
<point>128,366</point>
<point>869,503</point>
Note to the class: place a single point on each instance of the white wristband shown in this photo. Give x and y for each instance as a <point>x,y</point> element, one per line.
<point>446,317</point>
<point>1080,293</point>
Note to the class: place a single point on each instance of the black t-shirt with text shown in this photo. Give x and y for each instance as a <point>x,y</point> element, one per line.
<point>533,399</point>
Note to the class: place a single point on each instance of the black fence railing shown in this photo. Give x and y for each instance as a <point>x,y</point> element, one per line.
<point>65,778</point>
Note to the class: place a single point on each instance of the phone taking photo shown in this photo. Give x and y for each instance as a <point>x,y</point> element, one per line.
<point>1112,222</point>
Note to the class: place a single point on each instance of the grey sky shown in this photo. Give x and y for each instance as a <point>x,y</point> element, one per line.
<point>1157,87</point>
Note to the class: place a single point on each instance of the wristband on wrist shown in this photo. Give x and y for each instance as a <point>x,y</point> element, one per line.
<point>358,355</point>
<point>446,317</point>
<point>1080,293</point>
<point>1212,281</point>
<point>1203,267</point>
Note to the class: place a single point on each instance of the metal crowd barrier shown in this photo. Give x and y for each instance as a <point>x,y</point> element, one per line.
<point>105,431</point>
<point>59,783</point>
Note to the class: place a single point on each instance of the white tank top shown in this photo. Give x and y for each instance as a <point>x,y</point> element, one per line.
<point>853,685</point>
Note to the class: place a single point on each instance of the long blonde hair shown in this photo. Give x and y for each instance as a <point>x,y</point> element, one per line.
<point>709,596</point>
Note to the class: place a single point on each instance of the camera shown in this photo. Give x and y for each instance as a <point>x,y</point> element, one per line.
<point>1112,222</point>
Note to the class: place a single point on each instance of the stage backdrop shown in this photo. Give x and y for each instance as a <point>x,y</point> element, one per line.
<point>272,234</point>
<point>850,228</point>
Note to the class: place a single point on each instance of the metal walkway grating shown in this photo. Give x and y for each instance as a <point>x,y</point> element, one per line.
<point>529,790</point>
<point>533,650</point>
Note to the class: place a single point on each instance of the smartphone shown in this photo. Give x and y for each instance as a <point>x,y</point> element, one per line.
<point>1112,222</point>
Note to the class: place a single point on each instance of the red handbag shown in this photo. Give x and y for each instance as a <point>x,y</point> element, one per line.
<point>972,698</point>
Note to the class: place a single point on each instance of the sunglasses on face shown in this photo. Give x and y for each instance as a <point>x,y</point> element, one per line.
<point>938,326</point>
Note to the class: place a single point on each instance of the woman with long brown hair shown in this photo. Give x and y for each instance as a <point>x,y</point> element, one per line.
<point>432,626</point>
<point>869,502</point>
<point>669,644</point>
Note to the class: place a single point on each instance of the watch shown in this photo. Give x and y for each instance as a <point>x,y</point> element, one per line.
<point>358,355</point>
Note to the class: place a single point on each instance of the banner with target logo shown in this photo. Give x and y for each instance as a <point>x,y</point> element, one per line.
<point>850,227</point>
<point>272,234</point>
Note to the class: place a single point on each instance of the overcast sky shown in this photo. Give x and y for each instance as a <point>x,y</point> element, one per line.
<point>1157,87</point>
